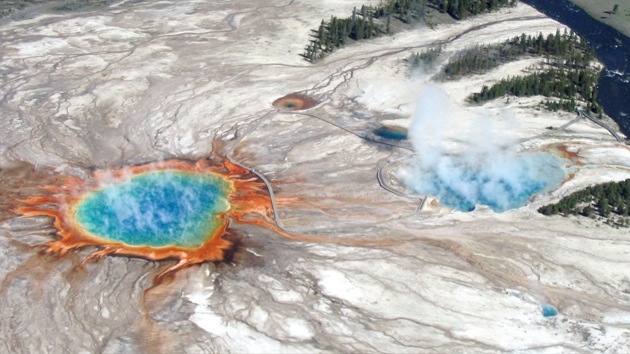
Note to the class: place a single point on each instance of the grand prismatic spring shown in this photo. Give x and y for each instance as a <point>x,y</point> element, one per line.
<point>172,209</point>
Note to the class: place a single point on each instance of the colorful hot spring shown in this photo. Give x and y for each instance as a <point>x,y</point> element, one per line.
<point>295,102</point>
<point>391,132</point>
<point>156,209</point>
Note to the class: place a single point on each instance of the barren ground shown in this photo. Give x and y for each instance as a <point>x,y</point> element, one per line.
<point>142,81</point>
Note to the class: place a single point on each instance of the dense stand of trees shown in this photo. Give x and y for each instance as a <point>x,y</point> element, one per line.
<point>461,9</point>
<point>424,58</point>
<point>366,23</point>
<point>566,84</point>
<point>568,105</point>
<point>373,21</point>
<point>568,49</point>
<point>609,200</point>
<point>568,76</point>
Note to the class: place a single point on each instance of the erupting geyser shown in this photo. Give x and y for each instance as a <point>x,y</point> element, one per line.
<point>487,171</point>
<point>173,209</point>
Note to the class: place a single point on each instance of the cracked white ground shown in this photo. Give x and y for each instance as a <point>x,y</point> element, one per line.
<point>143,81</point>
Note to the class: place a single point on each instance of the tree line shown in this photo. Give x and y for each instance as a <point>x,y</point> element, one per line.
<point>568,77</point>
<point>368,22</point>
<point>460,9</point>
<point>424,58</point>
<point>569,47</point>
<point>373,21</point>
<point>565,84</point>
<point>606,200</point>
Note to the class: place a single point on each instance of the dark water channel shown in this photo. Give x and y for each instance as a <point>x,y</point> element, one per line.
<point>612,48</point>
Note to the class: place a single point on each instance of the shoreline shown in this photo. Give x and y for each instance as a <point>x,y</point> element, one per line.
<point>601,10</point>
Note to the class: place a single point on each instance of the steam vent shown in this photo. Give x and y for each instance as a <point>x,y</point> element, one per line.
<point>295,102</point>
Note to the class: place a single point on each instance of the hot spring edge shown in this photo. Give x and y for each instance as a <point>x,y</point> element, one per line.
<point>156,209</point>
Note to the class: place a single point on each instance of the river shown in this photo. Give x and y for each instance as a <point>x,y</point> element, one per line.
<point>612,48</point>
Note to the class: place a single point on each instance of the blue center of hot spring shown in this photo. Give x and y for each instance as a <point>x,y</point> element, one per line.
<point>501,182</point>
<point>160,208</point>
<point>390,133</point>
<point>549,311</point>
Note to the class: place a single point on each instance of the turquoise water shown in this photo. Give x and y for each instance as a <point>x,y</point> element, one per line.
<point>501,182</point>
<point>549,311</point>
<point>392,134</point>
<point>160,208</point>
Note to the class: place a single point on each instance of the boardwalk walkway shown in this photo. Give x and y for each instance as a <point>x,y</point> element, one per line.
<point>601,124</point>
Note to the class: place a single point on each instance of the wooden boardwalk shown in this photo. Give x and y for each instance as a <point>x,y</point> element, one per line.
<point>602,124</point>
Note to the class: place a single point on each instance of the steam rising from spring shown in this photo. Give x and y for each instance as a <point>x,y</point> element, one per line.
<point>479,165</point>
<point>158,208</point>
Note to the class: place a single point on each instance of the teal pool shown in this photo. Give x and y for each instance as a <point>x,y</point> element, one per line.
<point>549,311</point>
<point>156,209</point>
<point>391,132</point>
<point>501,182</point>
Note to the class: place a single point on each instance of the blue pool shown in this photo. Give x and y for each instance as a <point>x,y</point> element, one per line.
<point>549,311</point>
<point>160,208</point>
<point>501,182</point>
<point>390,132</point>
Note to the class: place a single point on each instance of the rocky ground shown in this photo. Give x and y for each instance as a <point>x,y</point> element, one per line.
<point>138,82</point>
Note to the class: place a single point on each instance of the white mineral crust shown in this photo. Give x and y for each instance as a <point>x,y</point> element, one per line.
<point>142,81</point>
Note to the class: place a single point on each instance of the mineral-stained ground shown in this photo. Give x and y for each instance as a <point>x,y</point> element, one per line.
<point>383,270</point>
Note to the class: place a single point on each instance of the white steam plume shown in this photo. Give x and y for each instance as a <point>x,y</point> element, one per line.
<point>467,159</point>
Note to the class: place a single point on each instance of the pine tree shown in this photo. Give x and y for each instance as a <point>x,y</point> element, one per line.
<point>603,206</point>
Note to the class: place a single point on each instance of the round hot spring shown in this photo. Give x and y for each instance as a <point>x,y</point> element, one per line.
<point>156,209</point>
<point>391,132</point>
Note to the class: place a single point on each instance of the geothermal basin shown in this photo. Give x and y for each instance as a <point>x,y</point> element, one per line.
<point>88,92</point>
